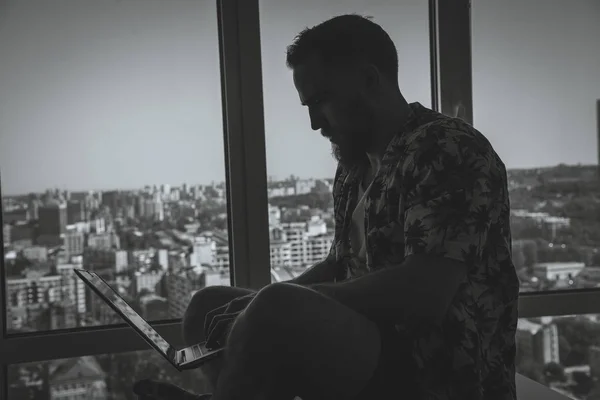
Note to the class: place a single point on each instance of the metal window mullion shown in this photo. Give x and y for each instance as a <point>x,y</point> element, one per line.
<point>450,29</point>
<point>433,56</point>
<point>568,302</point>
<point>3,310</point>
<point>241,79</point>
<point>452,94</point>
<point>3,381</point>
<point>52,345</point>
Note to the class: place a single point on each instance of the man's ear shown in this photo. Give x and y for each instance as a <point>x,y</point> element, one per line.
<point>370,77</point>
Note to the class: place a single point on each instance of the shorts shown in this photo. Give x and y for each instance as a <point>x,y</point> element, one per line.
<point>394,377</point>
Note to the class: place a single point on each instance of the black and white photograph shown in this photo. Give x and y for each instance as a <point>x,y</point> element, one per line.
<point>123,153</point>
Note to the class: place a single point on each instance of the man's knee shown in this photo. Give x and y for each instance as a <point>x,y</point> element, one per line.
<point>275,306</point>
<point>279,299</point>
<point>201,303</point>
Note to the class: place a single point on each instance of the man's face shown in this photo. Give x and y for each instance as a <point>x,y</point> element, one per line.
<point>337,107</point>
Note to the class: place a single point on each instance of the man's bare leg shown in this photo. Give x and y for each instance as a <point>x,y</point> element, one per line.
<point>329,351</point>
<point>204,301</point>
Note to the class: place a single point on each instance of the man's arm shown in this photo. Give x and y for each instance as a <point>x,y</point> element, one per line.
<point>421,288</point>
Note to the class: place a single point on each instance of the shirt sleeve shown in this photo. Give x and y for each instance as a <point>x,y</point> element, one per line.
<point>449,202</point>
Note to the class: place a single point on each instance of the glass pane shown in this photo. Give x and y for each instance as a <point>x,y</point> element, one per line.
<point>299,161</point>
<point>536,83</point>
<point>106,376</point>
<point>111,157</point>
<point>562,353</point>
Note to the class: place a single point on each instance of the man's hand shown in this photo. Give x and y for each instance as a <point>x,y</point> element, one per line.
<point>147,389</point>
<point>218,321</point>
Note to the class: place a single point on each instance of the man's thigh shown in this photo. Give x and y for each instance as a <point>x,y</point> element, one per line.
<point>202,302</point>
<point>330,349</point>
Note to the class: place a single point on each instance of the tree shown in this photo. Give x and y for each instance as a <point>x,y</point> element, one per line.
<point>554,372</point>
<point>580,333</point>
<point>583,383</point>
<point>564,348</point>
<point>532,370</point>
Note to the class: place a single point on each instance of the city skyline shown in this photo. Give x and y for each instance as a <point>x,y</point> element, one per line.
<point>83,89</point>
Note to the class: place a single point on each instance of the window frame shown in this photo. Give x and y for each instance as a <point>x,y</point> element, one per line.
<point>246,178</point>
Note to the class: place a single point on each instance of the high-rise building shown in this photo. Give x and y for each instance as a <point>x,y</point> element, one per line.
<point>91,204</point>
<point>185,191</point>
<point>52,219</point>
<point>98,225</point>
<point>181,286</point>
<point>280,247</point>
<point>21,234</point>
<point>75,212</point>
<point>274,215</point>
<point>28,298</point>
<point>538,341</point>
<point>110,199</point>
<point>75,287</point>
<point>129,211</point>
<point>204,252</point>
<point>163,259</point>
<point>107,263</point>
<point>33,206</point>
<point>145,280</point>
<point>74,244</point>
<point>105,240</point>
<point>318,248</point>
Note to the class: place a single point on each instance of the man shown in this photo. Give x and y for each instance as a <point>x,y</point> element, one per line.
<point>418,296</point>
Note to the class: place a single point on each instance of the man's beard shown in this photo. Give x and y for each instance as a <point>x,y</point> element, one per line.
<point>351,153</point>
<point>350,148</point>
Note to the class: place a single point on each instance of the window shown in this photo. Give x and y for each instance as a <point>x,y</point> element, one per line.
<point>562,353</point>
<point>299,164</point>
<point>536,87</point>
<point>97,377</point>
<point>111,156</point>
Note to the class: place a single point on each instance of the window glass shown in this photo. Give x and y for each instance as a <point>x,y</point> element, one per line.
<point>536,89</point>
<point>111,157</point>
<point>106,376</point>
<point>562,353</point>
<point>299,162</point>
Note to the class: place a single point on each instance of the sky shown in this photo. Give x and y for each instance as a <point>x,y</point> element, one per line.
<point>118,94</point>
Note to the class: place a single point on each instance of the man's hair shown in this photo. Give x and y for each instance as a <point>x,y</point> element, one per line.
<point>344,40</point>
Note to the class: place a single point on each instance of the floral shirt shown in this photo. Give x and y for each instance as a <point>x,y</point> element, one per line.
<point>442,189</point>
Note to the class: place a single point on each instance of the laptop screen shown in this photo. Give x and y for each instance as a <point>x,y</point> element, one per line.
<point>125,309</point>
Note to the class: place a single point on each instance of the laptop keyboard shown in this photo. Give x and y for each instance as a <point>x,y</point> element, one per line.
<point>196,350</point>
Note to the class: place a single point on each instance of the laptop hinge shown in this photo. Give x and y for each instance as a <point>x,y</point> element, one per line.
<point>173,354</point>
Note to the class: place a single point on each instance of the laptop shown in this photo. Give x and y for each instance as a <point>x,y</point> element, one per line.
<point>182,359</point>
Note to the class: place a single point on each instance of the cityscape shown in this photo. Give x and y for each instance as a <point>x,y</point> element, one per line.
<point>116,95</point>
<point>160,244</point>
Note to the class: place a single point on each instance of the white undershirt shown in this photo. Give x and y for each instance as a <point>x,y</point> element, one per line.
<point>358,238</point>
